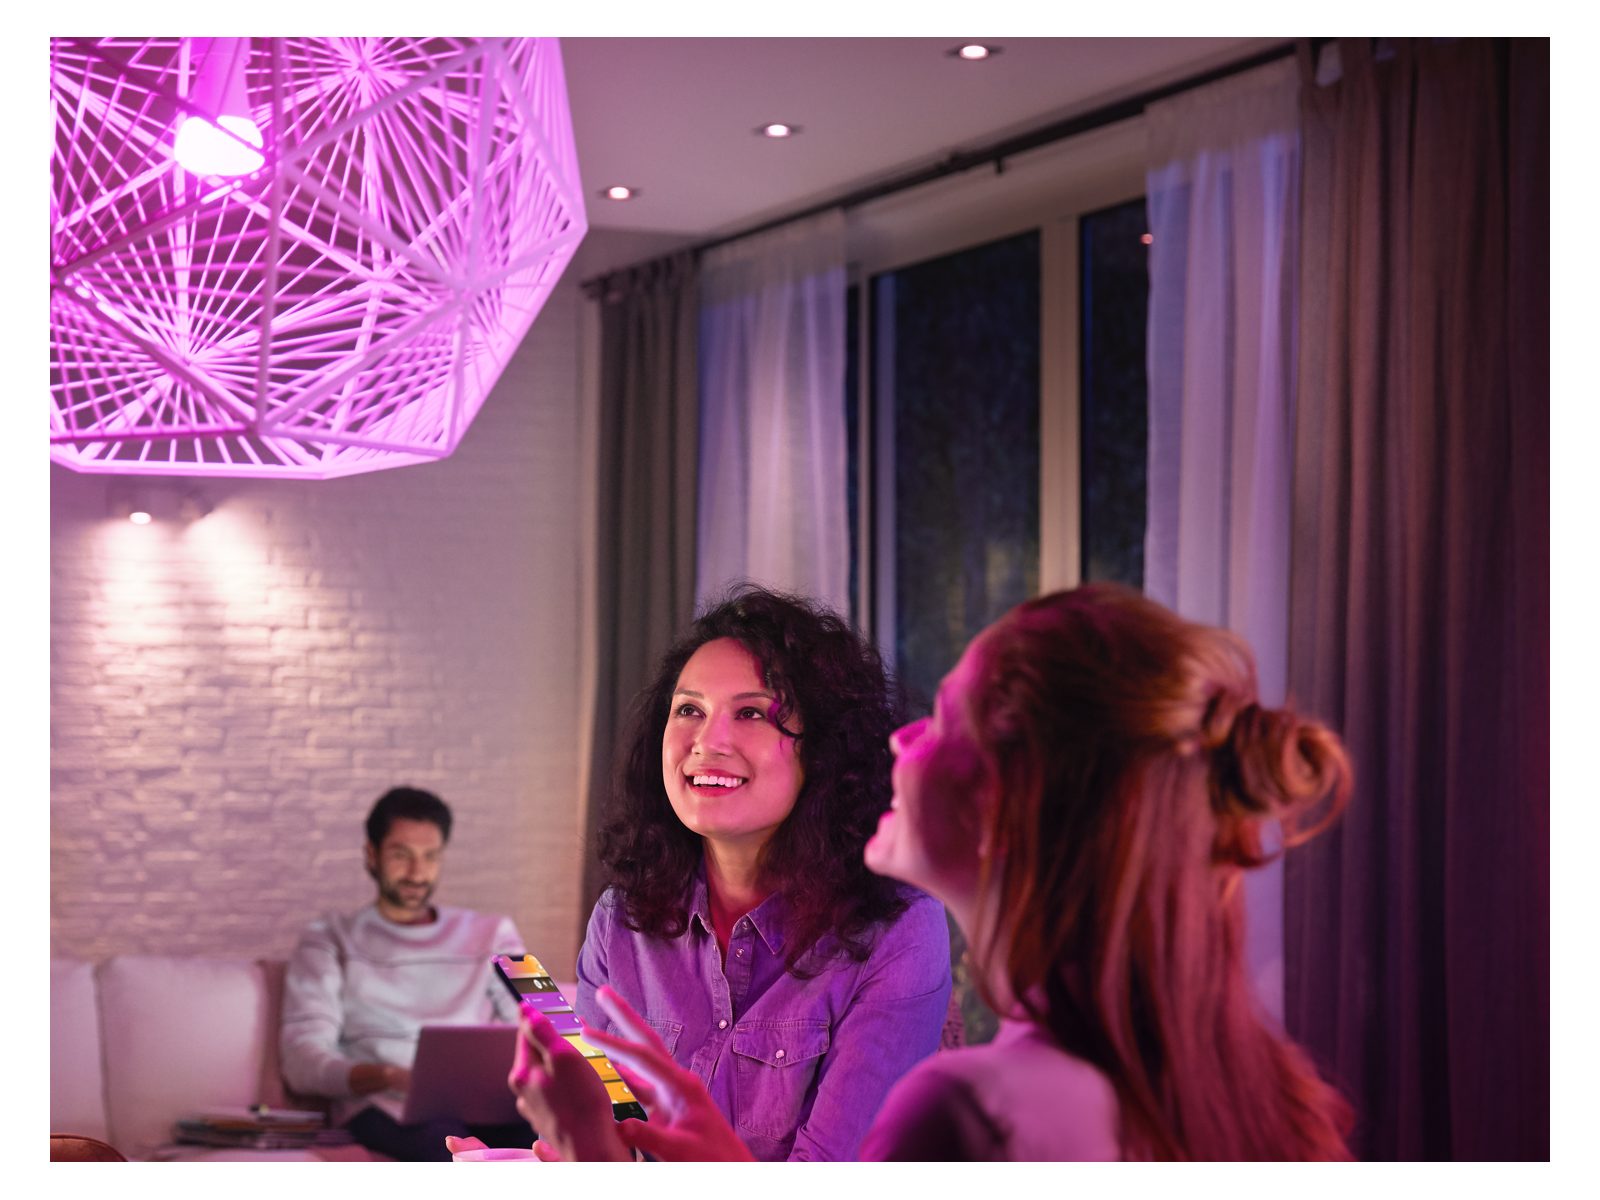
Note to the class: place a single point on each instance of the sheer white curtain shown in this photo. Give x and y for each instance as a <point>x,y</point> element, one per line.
<point>1223,194</point>
<point>772,504</point>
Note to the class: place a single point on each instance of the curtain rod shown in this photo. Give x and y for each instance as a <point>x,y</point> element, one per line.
<point>997,152</point>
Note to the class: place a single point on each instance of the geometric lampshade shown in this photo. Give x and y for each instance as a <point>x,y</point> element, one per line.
<point>346,302</point>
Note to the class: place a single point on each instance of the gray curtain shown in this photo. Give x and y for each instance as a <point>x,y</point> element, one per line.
<point>646,479</point>
<point>1417,931</point>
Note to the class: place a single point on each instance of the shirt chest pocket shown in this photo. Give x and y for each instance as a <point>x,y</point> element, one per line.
<point>667,1031</point>
<point>775,1067</point>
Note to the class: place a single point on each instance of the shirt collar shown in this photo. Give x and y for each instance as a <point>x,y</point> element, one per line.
<point>768,917</point>
<point>699,900</point>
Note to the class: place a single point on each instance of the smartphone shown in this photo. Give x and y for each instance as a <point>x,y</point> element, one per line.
<point>526,979</point>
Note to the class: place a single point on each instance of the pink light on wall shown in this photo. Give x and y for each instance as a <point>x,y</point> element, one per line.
<point>344,306</point>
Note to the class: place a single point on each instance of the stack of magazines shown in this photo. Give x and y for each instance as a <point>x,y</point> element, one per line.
<point>259,1128</point>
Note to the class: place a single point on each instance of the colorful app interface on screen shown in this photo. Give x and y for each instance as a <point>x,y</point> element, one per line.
<point>534,984</point>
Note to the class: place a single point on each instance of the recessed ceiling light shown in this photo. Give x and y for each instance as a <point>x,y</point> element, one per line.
<point>618,192</point>
<point>974,51</point>
<point>777,129</point>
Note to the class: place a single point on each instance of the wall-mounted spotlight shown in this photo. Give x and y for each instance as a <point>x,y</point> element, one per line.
<point>143,505</point>
<point>129,504</point>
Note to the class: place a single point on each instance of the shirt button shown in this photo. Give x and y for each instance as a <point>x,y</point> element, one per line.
<point>722,1024</point>
<point>740,952</point>
<point>779,1054</point>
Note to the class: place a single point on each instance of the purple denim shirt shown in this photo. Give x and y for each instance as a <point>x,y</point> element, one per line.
<point>799,1066</point>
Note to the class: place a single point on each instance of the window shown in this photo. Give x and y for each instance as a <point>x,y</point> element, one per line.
<point>1114,301</point>
<point>997,397</point>
<point>956,377</point>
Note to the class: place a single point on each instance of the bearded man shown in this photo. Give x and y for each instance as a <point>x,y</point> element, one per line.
<point>361,985</point>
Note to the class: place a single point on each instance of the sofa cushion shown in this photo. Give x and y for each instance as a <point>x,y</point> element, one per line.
<point>77,1086</point>
<point>181,1035</point>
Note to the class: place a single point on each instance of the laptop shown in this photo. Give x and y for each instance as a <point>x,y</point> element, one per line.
<point>460,1072</point>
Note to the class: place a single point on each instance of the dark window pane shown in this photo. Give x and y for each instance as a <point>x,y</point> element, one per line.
<point>966,445</point>
<point>1115,300</point>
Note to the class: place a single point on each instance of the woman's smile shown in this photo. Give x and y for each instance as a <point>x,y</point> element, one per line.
<point>713,784</point>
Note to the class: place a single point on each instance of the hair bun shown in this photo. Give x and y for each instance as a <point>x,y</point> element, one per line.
<point>1275,765</point>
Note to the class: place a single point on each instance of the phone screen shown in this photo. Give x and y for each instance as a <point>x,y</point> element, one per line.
<point>527,979</point>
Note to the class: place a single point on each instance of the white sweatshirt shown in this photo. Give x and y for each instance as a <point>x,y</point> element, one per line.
<point>360,988</point>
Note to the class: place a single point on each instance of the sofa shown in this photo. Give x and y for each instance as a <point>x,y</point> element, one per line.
<point>138,1041</point>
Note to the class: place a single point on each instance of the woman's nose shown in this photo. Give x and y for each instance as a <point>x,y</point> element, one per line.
<point>712,735</point>
<point>906,734</point>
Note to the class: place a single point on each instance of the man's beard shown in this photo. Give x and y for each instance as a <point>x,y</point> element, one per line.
<point>395,895</point>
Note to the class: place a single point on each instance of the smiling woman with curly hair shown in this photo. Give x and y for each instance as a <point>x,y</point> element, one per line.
<point>741,920</point>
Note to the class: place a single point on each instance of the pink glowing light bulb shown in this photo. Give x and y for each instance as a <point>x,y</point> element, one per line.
<point>205,149</point>
<point>227,140</point>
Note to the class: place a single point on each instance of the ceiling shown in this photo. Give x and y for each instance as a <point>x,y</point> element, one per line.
<point>675,117</point>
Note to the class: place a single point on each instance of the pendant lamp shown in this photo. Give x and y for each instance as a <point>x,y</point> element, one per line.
<point>296,257</point>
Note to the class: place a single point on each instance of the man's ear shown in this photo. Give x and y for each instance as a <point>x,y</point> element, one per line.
<point>369,855</point>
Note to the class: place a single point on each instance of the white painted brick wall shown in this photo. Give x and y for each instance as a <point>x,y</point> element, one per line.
<point>228,699</point>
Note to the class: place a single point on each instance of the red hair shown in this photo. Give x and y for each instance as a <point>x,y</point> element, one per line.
<point>1136,772</point>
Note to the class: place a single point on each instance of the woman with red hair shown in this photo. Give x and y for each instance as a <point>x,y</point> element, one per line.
<point>1096,776</point>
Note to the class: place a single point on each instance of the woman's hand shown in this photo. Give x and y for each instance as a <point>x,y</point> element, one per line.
<point>685,1124</point>
<point>561,1096</point>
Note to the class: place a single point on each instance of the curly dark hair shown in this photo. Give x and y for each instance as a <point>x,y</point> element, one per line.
<point>819,667</point>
